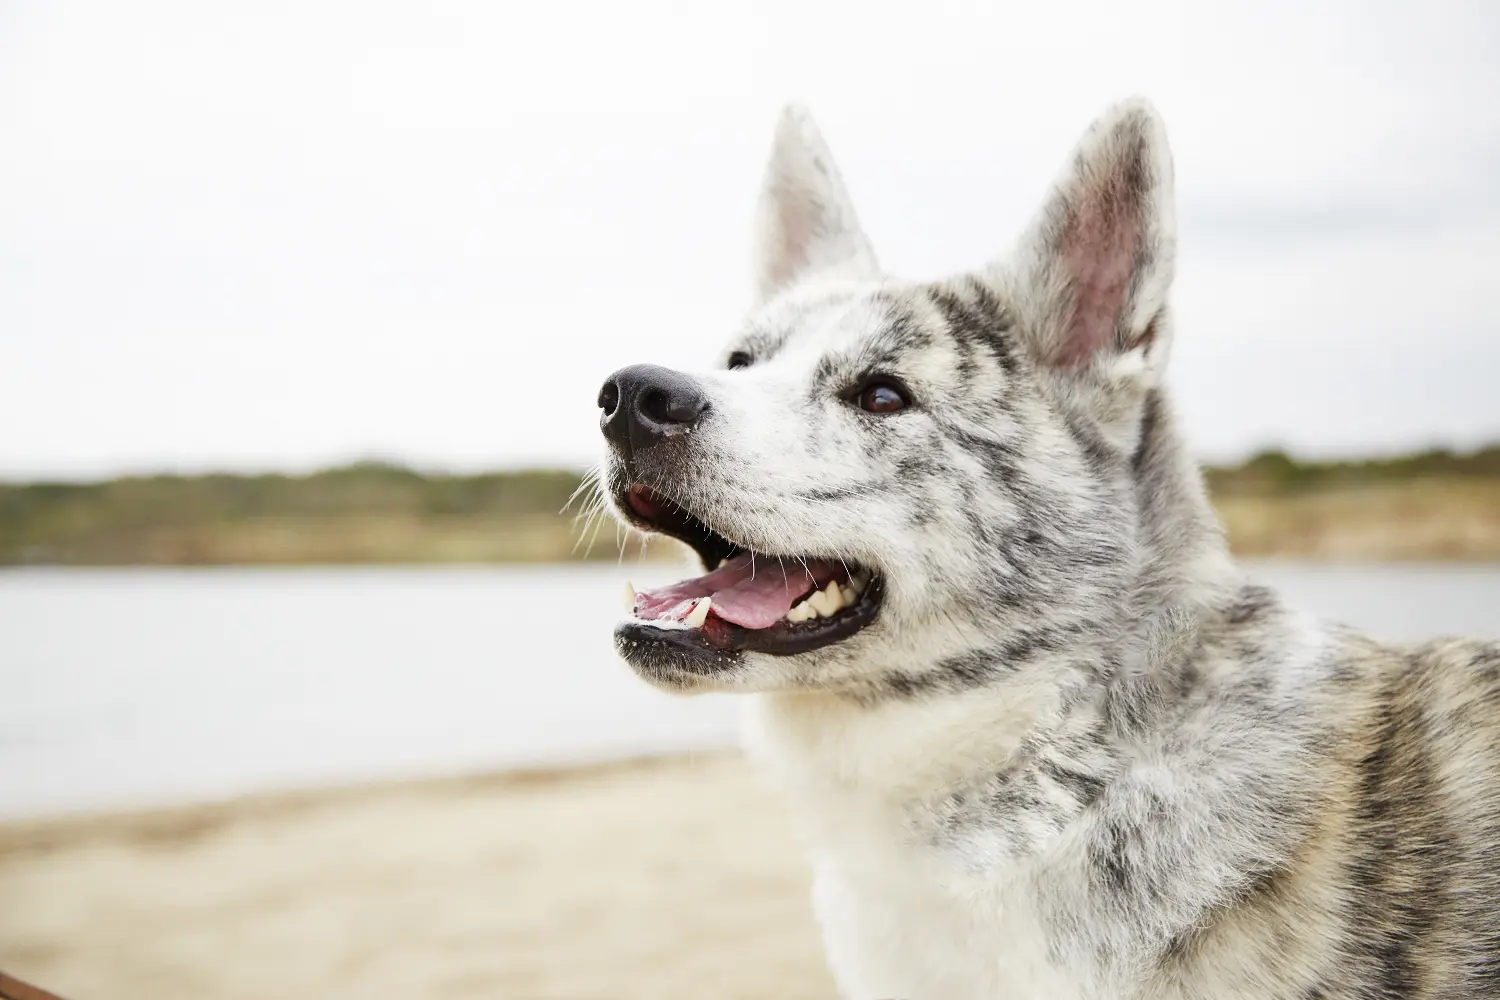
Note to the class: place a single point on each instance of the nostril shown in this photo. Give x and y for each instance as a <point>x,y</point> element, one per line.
<point>654,406</point>
<point>686,410</point>
<point>609,398</point>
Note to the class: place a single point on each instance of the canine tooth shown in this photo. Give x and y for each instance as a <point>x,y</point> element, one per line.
<point>629,598</point>
<point>828,600</point>
<point>699,614</point>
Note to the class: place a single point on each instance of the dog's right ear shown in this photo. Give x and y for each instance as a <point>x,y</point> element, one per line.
<point>1097,262</point>
<point>806,222</point>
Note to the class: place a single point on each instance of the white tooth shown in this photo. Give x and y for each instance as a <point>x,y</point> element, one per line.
<point>629,598</point>
<point>699,614</point>
<point>850,595</point>
<point>721,564</point>
<point>834,595</point>
<point>798,613</point>
<point>827,603</point>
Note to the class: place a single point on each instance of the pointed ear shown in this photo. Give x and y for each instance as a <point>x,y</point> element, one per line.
<point>1097,262</point>
<point>806,222</point>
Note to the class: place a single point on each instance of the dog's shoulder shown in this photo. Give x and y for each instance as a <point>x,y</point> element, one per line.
<point>1386,805</point>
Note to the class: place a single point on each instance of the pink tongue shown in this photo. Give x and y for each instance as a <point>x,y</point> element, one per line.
<point>753,592</point>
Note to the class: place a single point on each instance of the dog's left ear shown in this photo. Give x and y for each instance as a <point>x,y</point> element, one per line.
<point>806,222</point>
<point>1096,263</point>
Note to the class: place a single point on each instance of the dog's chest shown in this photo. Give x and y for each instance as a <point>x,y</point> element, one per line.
<point>908,907</point>
<point>914,926</point>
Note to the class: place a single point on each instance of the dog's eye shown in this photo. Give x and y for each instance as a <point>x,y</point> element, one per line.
<point>739,359</point>
<point>881,397</point>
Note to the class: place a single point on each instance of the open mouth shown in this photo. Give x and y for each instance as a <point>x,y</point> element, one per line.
<point>748,600</point>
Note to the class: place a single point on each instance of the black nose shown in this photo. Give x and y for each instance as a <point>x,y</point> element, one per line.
<point>644,404</point>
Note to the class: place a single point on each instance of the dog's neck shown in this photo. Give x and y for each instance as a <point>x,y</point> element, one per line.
<point>1185,580</point>
<point>1186,562</point>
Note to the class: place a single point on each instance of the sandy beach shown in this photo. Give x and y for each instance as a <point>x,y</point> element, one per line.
<point>662,878</point>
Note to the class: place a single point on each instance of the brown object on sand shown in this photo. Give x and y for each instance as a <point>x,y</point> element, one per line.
<point>14,989</point>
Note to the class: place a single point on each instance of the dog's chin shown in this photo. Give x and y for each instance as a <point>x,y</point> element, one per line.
<point>694,634</point>
<point>675,667</point>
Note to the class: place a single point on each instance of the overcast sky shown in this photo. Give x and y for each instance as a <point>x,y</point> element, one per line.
<point>273,236</point>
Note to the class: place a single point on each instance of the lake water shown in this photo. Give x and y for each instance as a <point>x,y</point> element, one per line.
<point>141,687</point>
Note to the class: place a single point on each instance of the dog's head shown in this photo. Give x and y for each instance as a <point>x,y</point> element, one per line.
<point>897,485</point>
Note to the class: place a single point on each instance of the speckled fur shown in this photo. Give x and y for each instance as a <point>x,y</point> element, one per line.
<point>1078,754</point>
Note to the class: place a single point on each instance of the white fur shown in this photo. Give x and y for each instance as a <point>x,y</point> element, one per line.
<point>1075,755</point>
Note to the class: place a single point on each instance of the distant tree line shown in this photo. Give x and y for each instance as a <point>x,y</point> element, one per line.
<point>1276,472</point>
<point>112,521</point>
<point>375,511</point>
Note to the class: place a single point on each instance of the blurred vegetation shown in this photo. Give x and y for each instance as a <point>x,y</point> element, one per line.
<point>367,512</point>
<point>1275,473</point>
<point>1433,505</point>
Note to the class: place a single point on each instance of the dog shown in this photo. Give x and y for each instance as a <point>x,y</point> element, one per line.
<point>1043,737</point>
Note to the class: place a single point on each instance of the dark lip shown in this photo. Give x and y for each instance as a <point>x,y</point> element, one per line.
<point>652,511</point>
<point>718,637</point>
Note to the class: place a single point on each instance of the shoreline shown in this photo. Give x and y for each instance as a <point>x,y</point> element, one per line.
<point>192,816</point>
<point>156,822</point>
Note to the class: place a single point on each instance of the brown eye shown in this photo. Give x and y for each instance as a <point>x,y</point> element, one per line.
<point>881,397</point>
<point>739,359</point>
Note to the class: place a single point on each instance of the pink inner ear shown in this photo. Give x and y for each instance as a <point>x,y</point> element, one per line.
<point>797,227</point>
<point>1099,247</point>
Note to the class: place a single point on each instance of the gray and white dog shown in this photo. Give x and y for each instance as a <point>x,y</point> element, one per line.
<point>1045,739</point>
